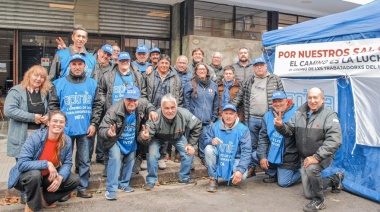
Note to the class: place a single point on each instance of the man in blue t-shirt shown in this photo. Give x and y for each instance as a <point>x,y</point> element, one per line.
<point>228,149</point>
<point>76,95</point>
<point>119,128</point>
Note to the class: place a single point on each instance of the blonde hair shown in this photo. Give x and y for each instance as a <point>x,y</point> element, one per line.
<point>37,69</point>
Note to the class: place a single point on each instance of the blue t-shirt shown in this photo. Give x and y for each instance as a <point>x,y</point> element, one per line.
<point>127,140</point>
<point>119,86</point>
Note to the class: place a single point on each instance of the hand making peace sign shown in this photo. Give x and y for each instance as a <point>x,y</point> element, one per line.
<point>145,132</point>
<point>278,119</point>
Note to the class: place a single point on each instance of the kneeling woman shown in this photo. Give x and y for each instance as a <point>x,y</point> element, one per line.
<point>44,164</point>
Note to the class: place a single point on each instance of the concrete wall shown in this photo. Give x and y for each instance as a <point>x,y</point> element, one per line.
<point>227,46</point>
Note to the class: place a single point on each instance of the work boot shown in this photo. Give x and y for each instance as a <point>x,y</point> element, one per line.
<point>338,178</point>
<point>212,186</point>
<point>251,172</point>
<point>270,179</point>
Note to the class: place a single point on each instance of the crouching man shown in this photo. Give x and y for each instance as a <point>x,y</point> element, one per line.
<point>228,150</point>
<point>171,126</point>
<point>119,129</point>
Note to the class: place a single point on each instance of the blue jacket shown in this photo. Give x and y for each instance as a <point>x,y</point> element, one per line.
<point>205,107</point>
<point>244,149</point>
<point>31,152</point>
<point>184,76</point>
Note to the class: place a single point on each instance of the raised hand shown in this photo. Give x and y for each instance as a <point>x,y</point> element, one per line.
<point>145,132</point>
<point>278,119</point>
<point>60,43</point>
<point>112,131</point>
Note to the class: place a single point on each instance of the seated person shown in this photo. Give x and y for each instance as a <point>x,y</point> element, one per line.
<point>44,164</point>
<point>173,122</point>
<point>228,151</point>
<point>278,155</point>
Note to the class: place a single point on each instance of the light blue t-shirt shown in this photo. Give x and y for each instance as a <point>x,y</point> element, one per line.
<point>119,86</point>
<point>127,140</point>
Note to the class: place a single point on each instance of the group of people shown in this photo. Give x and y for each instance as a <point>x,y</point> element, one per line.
<point>236,117</point>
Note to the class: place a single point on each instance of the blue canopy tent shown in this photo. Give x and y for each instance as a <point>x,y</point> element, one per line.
<point>360,163</point>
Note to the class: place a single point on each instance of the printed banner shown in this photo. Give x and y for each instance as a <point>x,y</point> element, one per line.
<point>355,57</point>
<point>366,100</point>
<point>296,89</point>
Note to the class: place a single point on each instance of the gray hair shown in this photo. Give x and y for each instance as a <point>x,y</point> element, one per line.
<point>184,57</point>
<point>164,57</point>
<point>168,98</point>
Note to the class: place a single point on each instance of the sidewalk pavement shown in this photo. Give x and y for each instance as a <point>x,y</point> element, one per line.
<point>97,182</point>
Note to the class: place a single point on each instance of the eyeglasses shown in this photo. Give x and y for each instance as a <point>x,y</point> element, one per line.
<point>34,103</point>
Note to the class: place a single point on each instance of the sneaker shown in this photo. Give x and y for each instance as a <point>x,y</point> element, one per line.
<point>144,165</point>
<point>111,195</point>
<point>161,164</point>
<point>212,186</point>
<point>339,176</point>
<point>149,187</point>
<point>127,189</point>
<point>314,205</point>
<point>251,172</point>
<point>187,182</point>
<point>270,179</point>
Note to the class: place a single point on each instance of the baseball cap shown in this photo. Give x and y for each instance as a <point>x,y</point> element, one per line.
<point>229,107</point>
<point>142,49</point>
<point>155,49</point>
<point>77,57</point>
<point>259,60</point>
<point>107,48</point>
<point>132,92</point>
<point>278,95</point>
<point>123,56</point>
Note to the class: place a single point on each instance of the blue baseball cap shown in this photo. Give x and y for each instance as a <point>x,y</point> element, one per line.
<point>229,107</point>
<point>142,49</point>
<point>107,48</point>
<point>259,60</point>
<point>123,56</point>
<point>77,57</point>
<point>132,92</point>
<point>278,95</point>
<point>155,49</point>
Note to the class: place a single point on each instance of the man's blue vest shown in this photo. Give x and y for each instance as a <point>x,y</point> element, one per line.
<point>227,150</point>
<point>65,56</point>
<point>76,103</point>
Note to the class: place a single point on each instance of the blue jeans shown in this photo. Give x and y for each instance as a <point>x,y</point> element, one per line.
<point>202,138</point>
<point>254,125</point>
<point>285,177</point>
<point>153,155</point>
<point>83,153</point>
<point>211,153</point>
<point>114,178</point>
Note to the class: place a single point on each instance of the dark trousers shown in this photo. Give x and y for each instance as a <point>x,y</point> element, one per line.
<point>31,181</point>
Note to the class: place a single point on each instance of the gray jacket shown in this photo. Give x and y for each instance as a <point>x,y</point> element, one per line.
<point>175,86</point>
<point>243,96</point>
<point>16,109</point>
<point>116,115</point>
<point>243,72</point>
<point>99,71</point>
<point>106,84</point>
<point>319,135</point>
<point>183,122</point>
